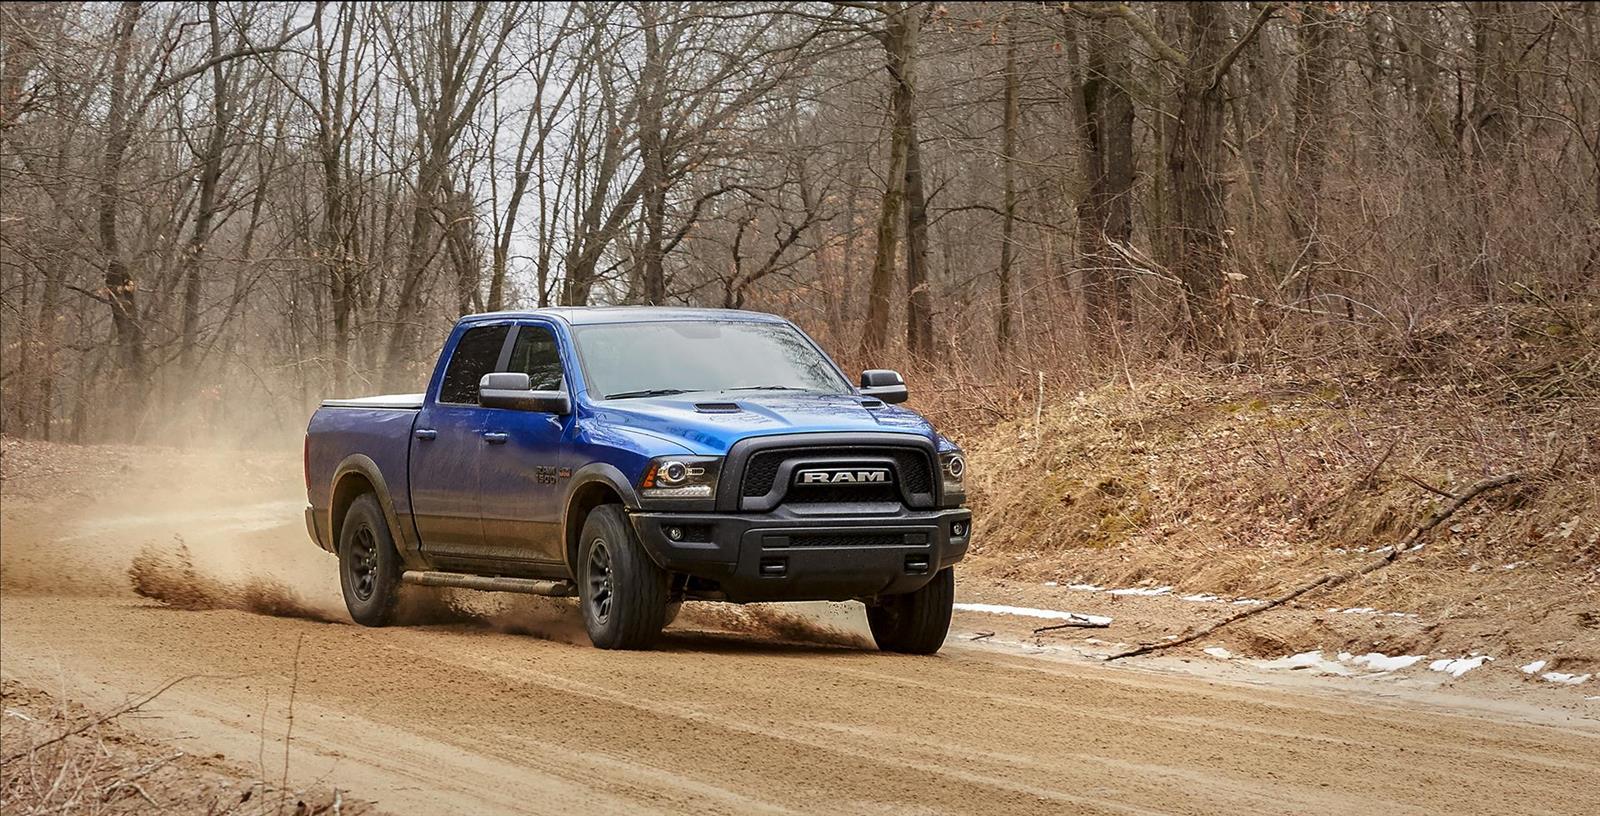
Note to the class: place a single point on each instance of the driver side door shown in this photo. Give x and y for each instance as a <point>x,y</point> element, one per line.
<point>522,476</point>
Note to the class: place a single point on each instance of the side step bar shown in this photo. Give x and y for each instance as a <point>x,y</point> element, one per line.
<point>485,583</point>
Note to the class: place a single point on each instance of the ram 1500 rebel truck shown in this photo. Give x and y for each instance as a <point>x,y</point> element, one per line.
<point>637,457</point>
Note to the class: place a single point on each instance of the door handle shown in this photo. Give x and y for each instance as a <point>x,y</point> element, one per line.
<point>495,438</point>
<point>425,434</point>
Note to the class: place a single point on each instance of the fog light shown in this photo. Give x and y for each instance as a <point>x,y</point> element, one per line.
<point>958,529</point>
<point>675,533</point>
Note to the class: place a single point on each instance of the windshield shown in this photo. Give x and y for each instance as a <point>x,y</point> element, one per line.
<point>625,360</point>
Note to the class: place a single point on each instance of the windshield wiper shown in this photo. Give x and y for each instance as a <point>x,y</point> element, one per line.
<point>647,392</point>
<point>766,388</point>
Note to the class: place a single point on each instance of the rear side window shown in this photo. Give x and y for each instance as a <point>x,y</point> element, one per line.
<point>474,357</point>
<point>535,354</point>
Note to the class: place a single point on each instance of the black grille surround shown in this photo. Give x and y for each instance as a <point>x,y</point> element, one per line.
<point>764,469</point>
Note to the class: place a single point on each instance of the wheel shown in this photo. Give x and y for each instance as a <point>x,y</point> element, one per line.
<point>916,622</point>
<point>369,567</point>
<point>624,593</point>
<point>672,613</point>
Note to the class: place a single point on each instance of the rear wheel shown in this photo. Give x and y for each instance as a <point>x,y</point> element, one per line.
<point>916,622</point>
<point>369,566</point>
<point>624,593</point>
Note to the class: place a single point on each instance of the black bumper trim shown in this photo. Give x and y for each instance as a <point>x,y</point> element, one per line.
<point>784,556</point>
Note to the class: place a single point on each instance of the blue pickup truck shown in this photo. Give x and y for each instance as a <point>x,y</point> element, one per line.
<point>635,458</point>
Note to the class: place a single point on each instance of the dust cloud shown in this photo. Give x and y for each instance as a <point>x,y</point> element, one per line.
<point>798,623</point>
<point>166,574</point>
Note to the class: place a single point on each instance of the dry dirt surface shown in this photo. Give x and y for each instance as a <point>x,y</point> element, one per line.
<point>504,708</point>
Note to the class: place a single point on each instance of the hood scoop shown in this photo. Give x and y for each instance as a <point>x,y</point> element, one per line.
<point>717,407</point>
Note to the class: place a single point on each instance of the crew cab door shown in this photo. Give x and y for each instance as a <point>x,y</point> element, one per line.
<point>523,475</point>
<point>446,446</point>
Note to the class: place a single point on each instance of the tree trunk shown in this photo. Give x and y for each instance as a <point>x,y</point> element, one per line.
<point>1113,188</point>
<point>1196,245</point>
<point>120,287</point>
<point>1008,157</point>
<point>652,157</point>
<point>899,43</point>
<point>919,297</point>
<point>1310,147</point>
<point>206,210</point>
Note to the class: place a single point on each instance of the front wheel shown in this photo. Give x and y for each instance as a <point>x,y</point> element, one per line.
<point>916,622</point>
<point>369,566</point>
<point>624,593</point>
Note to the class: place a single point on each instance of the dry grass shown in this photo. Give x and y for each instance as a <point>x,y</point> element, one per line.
<point>1244,483</point>
<point>61,758</point>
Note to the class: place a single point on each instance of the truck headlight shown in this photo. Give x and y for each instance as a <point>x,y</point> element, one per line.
<point>953,472</point>
<point>681,477</point>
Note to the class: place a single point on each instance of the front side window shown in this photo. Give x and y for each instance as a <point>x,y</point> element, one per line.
<point>536,355</point>
<point>475,356</point>
<point>624,360</point>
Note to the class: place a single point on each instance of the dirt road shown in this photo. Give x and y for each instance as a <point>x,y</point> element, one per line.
<point>511,714</point>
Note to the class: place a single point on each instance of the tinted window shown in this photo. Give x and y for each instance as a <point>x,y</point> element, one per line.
<point>474,357</point>
<point>632,359</point>
<point>535,354</point>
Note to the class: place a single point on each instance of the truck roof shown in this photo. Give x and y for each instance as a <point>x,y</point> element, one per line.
<point>586,315</point>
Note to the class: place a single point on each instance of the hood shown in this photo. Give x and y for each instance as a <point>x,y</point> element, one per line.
<point>712,432</point>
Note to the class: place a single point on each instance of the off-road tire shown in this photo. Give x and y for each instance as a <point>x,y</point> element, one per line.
<point>369,566</point>
<point>622,592</point>
<point>916,622</point>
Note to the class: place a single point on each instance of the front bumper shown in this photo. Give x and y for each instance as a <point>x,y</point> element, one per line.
<point>788,556</point>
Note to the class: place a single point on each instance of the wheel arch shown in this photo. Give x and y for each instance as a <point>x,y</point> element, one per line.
<point>592,486</point>
<point>356,476</point>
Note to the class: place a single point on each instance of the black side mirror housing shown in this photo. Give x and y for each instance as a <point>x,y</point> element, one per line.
<point>884,384</point>
<point>507,389</point>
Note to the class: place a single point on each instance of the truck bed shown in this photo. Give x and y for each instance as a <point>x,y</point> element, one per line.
<point>375,429</point>
<point>411,402</point>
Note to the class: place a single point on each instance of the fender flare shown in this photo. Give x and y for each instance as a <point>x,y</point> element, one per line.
<point>404,534</point>
<point>592,473</point>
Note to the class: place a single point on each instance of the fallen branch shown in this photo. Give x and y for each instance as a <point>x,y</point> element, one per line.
<point>1336,578</point>
<point>1075,622</point>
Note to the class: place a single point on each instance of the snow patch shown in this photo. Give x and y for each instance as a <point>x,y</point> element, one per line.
<point>1460,665</point>
<point>1162,590</point>
<point>1377,661</point>
<point>1218,652</point>
<point>1029,612</point>
<point>1201,598</point>
<point>1306,660</point>
<point>1566,679</point>
<point>1535,667</point>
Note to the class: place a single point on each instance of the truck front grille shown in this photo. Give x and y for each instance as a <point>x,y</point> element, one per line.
<point>913,472</point>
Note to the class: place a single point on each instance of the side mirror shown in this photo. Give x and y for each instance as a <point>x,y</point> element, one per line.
<point>505,389</point>
<point>884,384</point>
